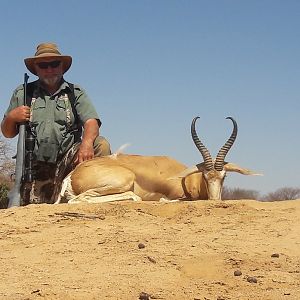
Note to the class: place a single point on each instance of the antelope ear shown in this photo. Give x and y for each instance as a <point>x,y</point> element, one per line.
<point>201,167</point>
<point>230,167</point>
<point>186,172</point>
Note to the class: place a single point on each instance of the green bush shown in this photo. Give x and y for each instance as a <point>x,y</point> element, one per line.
<point>4,188</point>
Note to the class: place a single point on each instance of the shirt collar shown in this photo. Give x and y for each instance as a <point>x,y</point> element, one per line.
<point>63,86</point>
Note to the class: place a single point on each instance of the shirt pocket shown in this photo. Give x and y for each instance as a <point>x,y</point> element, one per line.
<point>38,110</point>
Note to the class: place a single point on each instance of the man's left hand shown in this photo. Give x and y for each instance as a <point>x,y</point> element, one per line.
<point>85,152</point>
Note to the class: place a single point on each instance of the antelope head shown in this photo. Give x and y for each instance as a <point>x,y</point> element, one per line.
<point>214,170</point>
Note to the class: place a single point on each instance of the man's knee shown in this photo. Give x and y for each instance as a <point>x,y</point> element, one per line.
<point>101,146</point>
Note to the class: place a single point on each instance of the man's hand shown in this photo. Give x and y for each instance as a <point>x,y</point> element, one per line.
<point>86,149</point>
<point>19,114</point>
<point>9,124</point>
<point>85,152</point>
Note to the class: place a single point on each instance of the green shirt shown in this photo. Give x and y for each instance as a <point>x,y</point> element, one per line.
<point>53,119</point>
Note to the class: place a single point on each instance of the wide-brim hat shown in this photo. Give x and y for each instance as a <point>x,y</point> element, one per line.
<point>47,50</point>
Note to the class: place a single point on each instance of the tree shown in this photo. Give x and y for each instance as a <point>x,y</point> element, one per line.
<point>238,193</point>
<point>7,167</point>
<point>285,193</point>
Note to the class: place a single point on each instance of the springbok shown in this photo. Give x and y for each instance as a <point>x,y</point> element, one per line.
<point>123,177</point>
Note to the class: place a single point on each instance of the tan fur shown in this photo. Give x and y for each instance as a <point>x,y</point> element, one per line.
<point>123,177</point>
<point>149,177</point>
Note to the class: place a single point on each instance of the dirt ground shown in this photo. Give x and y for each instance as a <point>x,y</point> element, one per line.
<point>201,250</point>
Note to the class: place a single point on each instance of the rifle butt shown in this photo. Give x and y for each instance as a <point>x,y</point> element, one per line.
<point>14,195</point>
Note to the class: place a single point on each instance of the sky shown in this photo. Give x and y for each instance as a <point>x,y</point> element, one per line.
<point>150,67</point>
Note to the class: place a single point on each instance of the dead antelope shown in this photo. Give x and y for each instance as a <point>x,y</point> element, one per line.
<point>124,177</point>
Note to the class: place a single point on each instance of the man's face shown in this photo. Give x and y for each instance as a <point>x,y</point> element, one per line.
<point>49,70</point>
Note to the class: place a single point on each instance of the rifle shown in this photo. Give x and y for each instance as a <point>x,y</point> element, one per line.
<point>25,147</point>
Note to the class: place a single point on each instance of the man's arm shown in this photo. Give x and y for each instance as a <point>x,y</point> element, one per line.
<point>86,149</point>
<point>9,125</point>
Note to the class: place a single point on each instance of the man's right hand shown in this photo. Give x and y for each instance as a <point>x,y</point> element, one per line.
<point>9,125</point>
<point>19,114</point>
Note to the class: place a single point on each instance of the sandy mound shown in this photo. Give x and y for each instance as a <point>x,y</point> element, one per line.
<point>186,250</point>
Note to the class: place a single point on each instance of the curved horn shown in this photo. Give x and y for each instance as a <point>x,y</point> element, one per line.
<point>204,152</point>
<point>219,163</point>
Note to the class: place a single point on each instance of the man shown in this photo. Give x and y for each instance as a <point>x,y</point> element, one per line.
<point>56,113</point>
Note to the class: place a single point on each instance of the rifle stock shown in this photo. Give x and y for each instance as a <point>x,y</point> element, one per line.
<point>14,195</point>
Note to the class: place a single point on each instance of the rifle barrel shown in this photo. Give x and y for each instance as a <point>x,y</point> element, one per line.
<point>14,195</point>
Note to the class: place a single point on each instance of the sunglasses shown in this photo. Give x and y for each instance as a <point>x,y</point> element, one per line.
<point>51,64</point>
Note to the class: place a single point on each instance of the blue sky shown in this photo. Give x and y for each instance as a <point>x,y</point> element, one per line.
<point>151,66</point>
